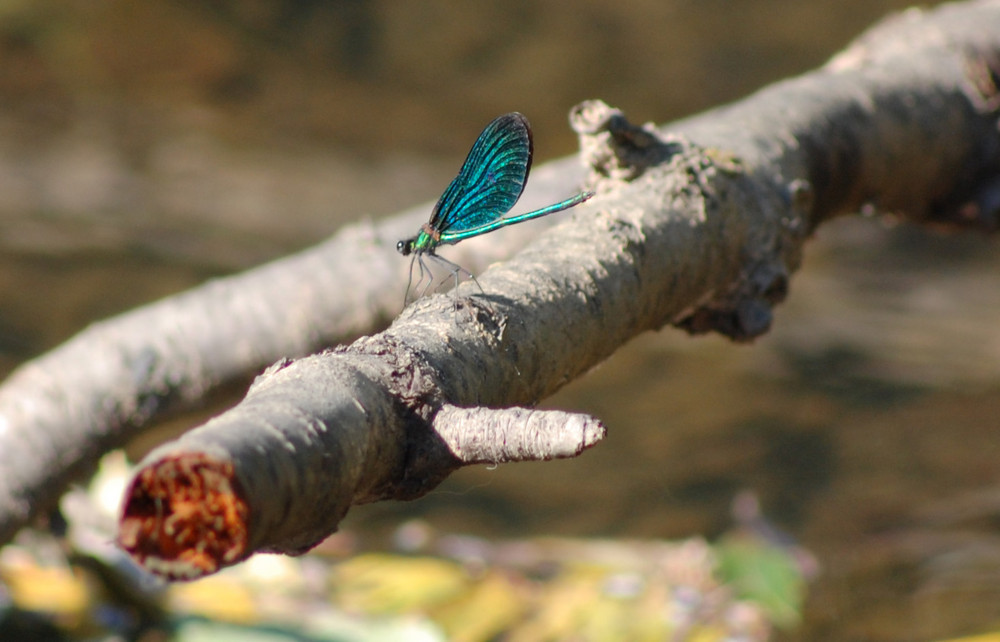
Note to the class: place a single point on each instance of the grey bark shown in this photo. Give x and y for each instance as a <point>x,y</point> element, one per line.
<point>698,225</point>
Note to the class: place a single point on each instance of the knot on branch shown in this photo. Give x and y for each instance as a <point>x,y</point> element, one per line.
<point>612,146</point>
<point>980,210</point>
<point>982,79</point>
<point>747,312</point>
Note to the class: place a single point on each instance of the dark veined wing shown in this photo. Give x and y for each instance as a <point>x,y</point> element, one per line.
<point>491,179</point>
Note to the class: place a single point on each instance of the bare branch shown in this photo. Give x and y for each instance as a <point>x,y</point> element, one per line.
<point>117,378</point>
<point>485,436</point>
<point>196,503</point>
<point>699,234</point>
<point>699,227</point>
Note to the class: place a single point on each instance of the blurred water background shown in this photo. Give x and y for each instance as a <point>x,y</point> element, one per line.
<point>146,147</point>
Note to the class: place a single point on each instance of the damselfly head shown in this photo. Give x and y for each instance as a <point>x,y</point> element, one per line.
<point>405,246</point>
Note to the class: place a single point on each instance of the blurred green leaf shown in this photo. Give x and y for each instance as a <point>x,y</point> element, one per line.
<point>763,574</point>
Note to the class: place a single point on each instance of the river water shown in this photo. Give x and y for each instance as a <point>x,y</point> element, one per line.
<point>148,148</point>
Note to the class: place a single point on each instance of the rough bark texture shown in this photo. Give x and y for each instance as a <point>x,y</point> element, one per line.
<point>61,411</point>
<point>698,225</point>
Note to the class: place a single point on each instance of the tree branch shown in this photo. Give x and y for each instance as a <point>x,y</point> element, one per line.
<point>700,228</point>
<point>699,234</point>
<point>252,479</point>
<point>117,378</point>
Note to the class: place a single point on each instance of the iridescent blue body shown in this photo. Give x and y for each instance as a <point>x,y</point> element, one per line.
<point>487,187</point>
